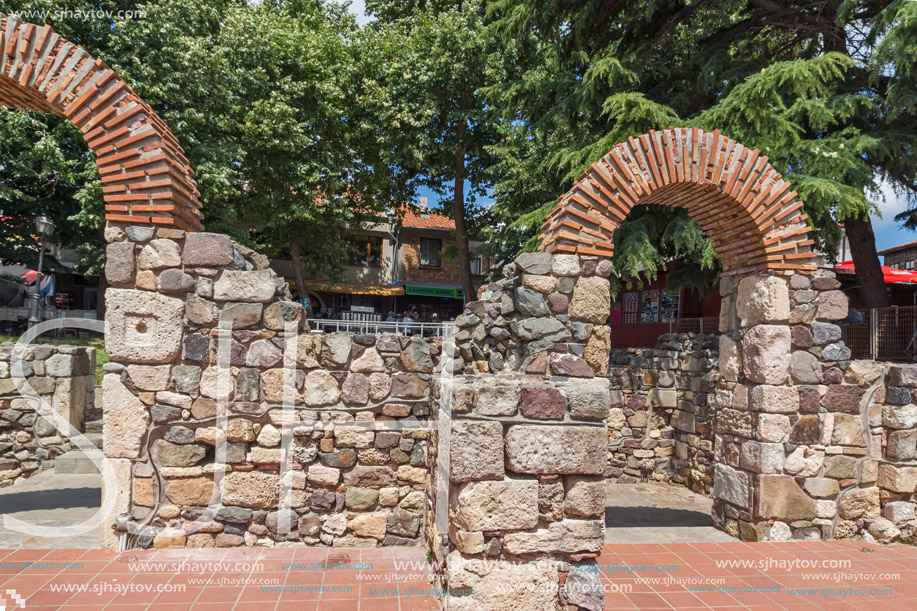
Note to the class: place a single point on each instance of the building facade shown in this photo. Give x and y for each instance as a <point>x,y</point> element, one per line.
<point>902,256</point>
<point>396,268</point>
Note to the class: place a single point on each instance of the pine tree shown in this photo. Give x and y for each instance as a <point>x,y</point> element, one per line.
<point>824,88</point>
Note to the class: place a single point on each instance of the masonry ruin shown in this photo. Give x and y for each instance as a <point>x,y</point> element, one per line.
<point>227,423</point>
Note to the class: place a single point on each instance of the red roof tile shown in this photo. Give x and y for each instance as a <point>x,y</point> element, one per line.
<point>428,220</point>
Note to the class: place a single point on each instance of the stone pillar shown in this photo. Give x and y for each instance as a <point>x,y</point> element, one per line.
<point>781,402</point>
<point>528,441</point>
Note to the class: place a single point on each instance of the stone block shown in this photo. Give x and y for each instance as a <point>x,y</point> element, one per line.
<point>730,359</point>
<point>774,399</point>
<point>119,263</point>
<point>734,422</point>
<point>897,479</point>
<point>538,263</point>
<point>142,327</point>
<point>899,416</point>
<point>591,300</point>
<point>761,457</point>
<point>321,388</point>
<point>496,505</point>
<point>822,487</point>
<point>766,351</point>
<point>570,365</point>
<point>848,430</point>
<point>198,491</point>
<point>584,496</point>
<point>903,375</point>
<point>477,450</point>
<point>859,503</point>
<point>832,305</point>
<point>159,254</point>
<point>204,249</point>
<point>762,300</point>
<point>148,377</point>
<point>556,449</point>
<point>597,350</point>
<point>843,398</point>
<point>901,445</point>
<point>774,428</point>
<point>732,486</point>
<point>805,368</point>
<point>588,399</point>
<point>257,286</point>
<point>569,536</point>
<point>497,398</point>
<point>542,401</point>
<point>781,498</point>
<point>505,587</point>
<point>565,265</point>
<point>369,525</point>
<point>254,489</point>
<point>125,419</point>
<point>543,328</point>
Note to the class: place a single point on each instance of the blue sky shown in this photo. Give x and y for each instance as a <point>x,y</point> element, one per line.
<point>888,232</point>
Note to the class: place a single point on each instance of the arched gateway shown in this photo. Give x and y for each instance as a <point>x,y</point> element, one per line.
<point>146,175</point>
<point>742,203</point>
<point>527,440</point>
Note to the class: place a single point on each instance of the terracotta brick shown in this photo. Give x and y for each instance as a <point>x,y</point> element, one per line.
<point>46,73</point>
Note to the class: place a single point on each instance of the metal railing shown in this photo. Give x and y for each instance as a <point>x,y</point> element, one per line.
<point>425,329</point>
<point>705,324</point>
<point>884,334</point>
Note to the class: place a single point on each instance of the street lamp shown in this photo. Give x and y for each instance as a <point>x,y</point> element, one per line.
<point>45,228</point>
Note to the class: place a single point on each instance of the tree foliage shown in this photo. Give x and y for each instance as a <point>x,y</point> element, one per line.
<point>425,65</point>
<point>825,88</point>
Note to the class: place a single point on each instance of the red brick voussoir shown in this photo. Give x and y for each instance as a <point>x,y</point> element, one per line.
<point>147,179</point>
<point>740,201</point>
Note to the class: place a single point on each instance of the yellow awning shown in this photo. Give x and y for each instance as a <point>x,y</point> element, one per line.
<point>356,288</point>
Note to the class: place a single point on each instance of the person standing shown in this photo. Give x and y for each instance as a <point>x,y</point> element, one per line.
<point>407,318</point>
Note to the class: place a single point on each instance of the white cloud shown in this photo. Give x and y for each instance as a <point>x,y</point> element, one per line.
<point>889,204</point>
<point>358,8</point>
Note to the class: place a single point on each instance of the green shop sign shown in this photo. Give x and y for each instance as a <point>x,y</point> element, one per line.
<point>433,291</point>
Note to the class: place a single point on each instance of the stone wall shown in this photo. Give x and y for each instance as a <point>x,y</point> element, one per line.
<point>788,400</point>
<point>345,439</point>
<point>64,378</point>
<point>528,441</point>
<point>661,422</point>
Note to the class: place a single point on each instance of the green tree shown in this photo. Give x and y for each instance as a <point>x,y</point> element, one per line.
<point>426,63</point>
<point>45,166</point>
<point>824,88</point>
<point>263,99</point>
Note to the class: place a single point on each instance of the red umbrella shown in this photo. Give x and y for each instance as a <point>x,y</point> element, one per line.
<point>30,276</point>
<point>890,274</point>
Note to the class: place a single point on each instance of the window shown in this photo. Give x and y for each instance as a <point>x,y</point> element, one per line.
<point>477,266</point>
<point>368,250</point>
<point>909,264</point>
<point>430,249</point>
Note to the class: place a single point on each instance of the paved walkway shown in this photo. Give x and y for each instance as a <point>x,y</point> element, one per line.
<point>658,513</point>
<point>51,499</point>
<point>795,576</point>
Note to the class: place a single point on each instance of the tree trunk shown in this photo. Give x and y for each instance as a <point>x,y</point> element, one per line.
<point>858,227</point>
<point>458,211</point>
<point>297,269</point>
<point>866,261</point>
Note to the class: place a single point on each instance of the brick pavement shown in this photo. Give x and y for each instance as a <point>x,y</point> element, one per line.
<point>756,576</point>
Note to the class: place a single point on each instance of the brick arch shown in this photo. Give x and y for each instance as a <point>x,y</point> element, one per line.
<point>146,177</point>
<point>740,201</point>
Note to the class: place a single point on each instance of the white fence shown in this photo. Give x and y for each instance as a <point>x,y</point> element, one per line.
<point>426,329</point>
